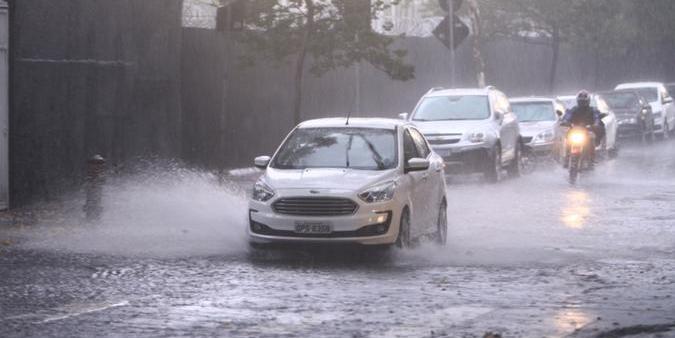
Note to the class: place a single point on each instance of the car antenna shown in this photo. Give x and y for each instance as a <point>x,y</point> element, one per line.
<point>349,114</point>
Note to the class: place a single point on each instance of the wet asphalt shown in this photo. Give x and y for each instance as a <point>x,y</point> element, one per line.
<point>528,257</point>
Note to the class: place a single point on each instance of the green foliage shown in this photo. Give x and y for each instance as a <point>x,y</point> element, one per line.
<point>338,34</point>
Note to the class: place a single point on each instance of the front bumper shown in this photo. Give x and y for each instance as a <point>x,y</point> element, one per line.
<point>469,158</point>
<point>364,227</point>
<point>540,149</point>
<point>626,130</point>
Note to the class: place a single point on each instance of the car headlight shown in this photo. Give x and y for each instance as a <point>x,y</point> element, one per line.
<point>477,137</point>
<point>544,137</point>
<point>262,192</point>
<point>379,193</point>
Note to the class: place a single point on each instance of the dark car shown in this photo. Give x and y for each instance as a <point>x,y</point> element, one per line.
<point>633,113</point>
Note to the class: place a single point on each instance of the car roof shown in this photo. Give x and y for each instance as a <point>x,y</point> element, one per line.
<point>459,91</point>
<point>354,122</point>
<point>531,99</point>
<point>639,85</point>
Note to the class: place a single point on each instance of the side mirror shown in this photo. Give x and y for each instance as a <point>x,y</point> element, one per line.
<point>559,113</point>
<point>667,100</point>
<point>261,162</point>
<point>403,116</point>
<point>603,115</point>
<point>499,116</point>
<point>417,164</point>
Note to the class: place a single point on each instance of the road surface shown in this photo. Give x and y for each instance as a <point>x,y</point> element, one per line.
<point>529,257</point>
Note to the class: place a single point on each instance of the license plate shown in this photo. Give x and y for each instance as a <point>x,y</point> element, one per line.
<point>312,228</point>
<point>444,152</point>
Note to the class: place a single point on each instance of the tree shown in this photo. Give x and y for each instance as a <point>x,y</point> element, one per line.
<point>329,33</point>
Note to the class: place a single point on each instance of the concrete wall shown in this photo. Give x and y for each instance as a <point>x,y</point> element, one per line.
<point>91,76</point>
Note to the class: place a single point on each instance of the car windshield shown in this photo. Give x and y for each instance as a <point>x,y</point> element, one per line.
<point>650,94</point>
<point>356,148</point>
<point>671,89</point>
<point>534,111</point>
<point>448,108</point>
<point>621,100</point>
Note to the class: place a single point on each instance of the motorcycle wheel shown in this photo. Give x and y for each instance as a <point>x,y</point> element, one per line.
<point>574,167</point>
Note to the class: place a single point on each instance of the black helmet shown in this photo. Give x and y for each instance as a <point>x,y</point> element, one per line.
<point>583,99</point>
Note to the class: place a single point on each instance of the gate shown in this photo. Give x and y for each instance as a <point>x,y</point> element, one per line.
<point>4,105</point>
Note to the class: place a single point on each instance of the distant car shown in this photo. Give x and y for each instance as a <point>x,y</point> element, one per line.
<point>661,102</point>
<point>474,130</point>
<point>633,112</point>
<point>364,181</point>
<point>611,146</point>
<point>538,118</point>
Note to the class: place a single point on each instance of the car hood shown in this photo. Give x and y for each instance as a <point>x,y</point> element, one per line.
<point>656,106</point>
<point>451,127</point>
<point>534,128</point>
<point>326,178</point>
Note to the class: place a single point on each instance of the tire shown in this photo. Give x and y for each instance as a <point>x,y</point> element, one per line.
<point>613,153</point>
<point>666,130</point>
<point>493,166</point>
<point>515,168</point>
<point>574,169</point>
<point>403,240</point>
<point>441,236</point>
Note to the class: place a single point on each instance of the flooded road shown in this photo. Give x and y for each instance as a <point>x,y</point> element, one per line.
<point>530,257</point>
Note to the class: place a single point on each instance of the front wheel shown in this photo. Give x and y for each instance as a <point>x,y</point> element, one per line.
<point>403,239</point>
<point>493,166</point>
<point>515,168</point>
<point>574,167</point>
<point>441,236</point>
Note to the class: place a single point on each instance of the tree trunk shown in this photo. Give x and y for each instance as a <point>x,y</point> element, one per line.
<point>300,62</point>
<point>555,46</point>
<point>477,55</point>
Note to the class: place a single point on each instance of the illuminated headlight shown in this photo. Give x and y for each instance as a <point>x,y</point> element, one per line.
<point>262,192</point>
<point>544,137</point>
<point>477,137</point>
<point>577,138</point>
<point>379,193</point>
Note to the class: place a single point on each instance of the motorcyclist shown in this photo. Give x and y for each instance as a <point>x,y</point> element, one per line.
<point>584,115</point>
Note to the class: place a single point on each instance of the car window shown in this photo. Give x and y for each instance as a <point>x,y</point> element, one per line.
<point>650,94</point>
<point>534,111</point>
<point>420,143</point>
<point>356,148</point>
<point>621,100</point>
<point>454,107</point>
<point>409,148</point>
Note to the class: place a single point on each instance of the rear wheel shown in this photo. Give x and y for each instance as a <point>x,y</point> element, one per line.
<point>441,236</point>
<point>493,166</point>
<point>403,239</point>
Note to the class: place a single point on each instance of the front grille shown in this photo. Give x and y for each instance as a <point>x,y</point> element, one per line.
<point>441,139</point>
<point>314,206</point>
<point>527,140</point>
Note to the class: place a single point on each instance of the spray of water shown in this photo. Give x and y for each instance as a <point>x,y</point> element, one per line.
<point>165,210</point>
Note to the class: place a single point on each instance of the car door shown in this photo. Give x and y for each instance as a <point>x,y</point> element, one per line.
<point>430,182</point>
<point>418,181</point>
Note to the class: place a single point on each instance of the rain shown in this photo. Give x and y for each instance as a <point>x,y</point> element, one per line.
<point>337,168</point>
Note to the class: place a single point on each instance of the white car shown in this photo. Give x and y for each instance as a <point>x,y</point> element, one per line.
<point>611,144</point>
<point>538,118</point>
<point>363,181</point>
<point>663,108</point>
<point>473,129</point>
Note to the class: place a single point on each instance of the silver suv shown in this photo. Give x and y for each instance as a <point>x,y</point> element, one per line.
<point>474,130</point>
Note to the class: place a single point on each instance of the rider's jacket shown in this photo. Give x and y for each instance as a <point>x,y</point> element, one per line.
<point>582,116</point>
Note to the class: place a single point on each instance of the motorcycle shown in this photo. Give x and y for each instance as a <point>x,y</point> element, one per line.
<point>579,141</point>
